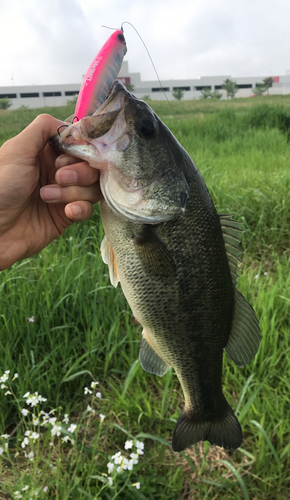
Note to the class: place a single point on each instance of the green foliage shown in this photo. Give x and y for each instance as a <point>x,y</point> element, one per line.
<point>205,93</point>
<point>178,94</point>
<point>216,94</point>
<point>230,87</point>
<point>5,103</point>
<point>84,330</point>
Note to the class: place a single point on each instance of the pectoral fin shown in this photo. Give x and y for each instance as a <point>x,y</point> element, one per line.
<point>153,253</point>
<point>245,335</point>
<point>150,361</point>
<point>109,258</point>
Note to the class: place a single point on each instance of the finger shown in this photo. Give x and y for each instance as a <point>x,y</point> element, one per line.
<point>79,210</point>
<point>54,193</point>
<point>37,134</point>
<point>80,174</point>
<point>65,159</point>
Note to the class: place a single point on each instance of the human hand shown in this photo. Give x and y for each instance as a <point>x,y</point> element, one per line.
<point>41,193</point>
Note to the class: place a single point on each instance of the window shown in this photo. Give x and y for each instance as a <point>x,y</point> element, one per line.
<point>218,87</point>
<point>203,87</point>
<point>160,89</point>
<point>181,88</point>
<point>9,96</point>
<point>244,85</point>
<point>71,92</point>
<point>51,94</point>
<point>30,94</point>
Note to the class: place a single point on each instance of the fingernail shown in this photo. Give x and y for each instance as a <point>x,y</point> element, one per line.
<point>75,210</point>
<point>50,193</point>
<point>64,160</point>
<point>66,177</point>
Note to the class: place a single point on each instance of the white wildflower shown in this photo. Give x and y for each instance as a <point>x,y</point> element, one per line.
<point>6,393</point>
<point>30,456</point>
<point>102,416</point>
<point>56,429</point>
<point>45,488</point>
<point>110,467</point>
<point>3,386</point>
<point>17,494</point>
<point>34,435</point>
<point>140,447</point>
<point>52,420</point>
<point>6,446</point>
<point>66,419</point>
<point>17,454</point>
<point>99,395</point>
<point>134,457</point>
<point>130,465</point>
<point>137,485</point>
<point>35,421</point>
<point>72,428</point>
<point>5,436</point>
<point>27,433</point>
<point>15,376</point>
<point>4,377</point>
<point>24,442</point>
<point>24,412</point>
<point>89,408</point>
<point>30,320</point>
<point>26,394</point>
<point>256,276</point>
<point>128,444</point>
<point>87,391</point>
<point>65,439</point>
<point>110,481</point>
<point>25,488</point>
<point>117,458</point>
<point>94,384</point>
<point>1,451</point>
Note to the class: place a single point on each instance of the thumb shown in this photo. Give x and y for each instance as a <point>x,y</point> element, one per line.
<point>36,135</point>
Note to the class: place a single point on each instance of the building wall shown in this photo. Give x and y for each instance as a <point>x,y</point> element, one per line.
<point>38,96</point>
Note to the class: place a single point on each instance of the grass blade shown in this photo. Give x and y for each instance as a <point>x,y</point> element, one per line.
<point>238,476</point>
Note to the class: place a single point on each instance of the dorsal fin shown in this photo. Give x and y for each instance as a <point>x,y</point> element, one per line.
<point>232,234</point>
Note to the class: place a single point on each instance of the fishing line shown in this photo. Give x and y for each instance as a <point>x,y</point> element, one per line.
<point>151,60</point>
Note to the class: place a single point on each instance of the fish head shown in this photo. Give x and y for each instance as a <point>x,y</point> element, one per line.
<point>139,176</point>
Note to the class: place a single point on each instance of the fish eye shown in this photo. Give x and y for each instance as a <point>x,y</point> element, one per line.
<point>146,127</point>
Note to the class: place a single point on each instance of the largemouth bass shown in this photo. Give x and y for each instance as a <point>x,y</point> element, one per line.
<point>175,257</point>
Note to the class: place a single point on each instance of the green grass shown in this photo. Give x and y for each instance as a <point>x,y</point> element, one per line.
<point>84,331</point>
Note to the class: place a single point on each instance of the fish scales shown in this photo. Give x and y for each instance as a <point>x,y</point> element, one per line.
<point>175,257</point>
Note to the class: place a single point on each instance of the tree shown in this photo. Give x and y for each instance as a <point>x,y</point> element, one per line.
<point>178,94</point>
<point>259,89</point>
<point>216,94</point>
<point>205,93</point>
<point>230,87</point>
<point>268,82</point>
<point>5,103</point>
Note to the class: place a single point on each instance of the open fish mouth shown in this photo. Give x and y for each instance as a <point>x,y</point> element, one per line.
<point>109,141</point>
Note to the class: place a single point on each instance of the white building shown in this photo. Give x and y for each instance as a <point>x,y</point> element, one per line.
<point>38,96</point>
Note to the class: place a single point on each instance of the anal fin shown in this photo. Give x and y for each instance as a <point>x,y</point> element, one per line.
<point>150,361</point>
<point>245,334</point>
<point>109,258</point>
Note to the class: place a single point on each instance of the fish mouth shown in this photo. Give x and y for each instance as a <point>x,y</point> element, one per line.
<point>103,140</point>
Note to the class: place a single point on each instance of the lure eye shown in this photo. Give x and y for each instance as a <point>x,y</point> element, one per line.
<point>121,38</point>
<point>146,128</point>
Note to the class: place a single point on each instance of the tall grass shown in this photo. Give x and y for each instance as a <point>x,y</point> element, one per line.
<point>83,330</point>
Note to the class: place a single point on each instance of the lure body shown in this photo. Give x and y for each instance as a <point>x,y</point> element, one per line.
<point>101,74</point>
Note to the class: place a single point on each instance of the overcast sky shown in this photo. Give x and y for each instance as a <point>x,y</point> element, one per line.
<point>54,41</point>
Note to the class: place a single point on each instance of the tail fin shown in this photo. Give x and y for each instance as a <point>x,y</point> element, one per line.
<point>225,432</point>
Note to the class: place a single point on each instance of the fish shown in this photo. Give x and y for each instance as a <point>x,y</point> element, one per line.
<point>100,75</point>
<point>175,257</point>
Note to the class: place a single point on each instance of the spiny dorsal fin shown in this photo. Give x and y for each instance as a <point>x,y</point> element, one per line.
<point>109,258</point>
<point>245,334</point>
<point>232,235</point>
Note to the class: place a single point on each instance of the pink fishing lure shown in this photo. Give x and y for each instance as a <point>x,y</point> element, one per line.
<point>102,72</point>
